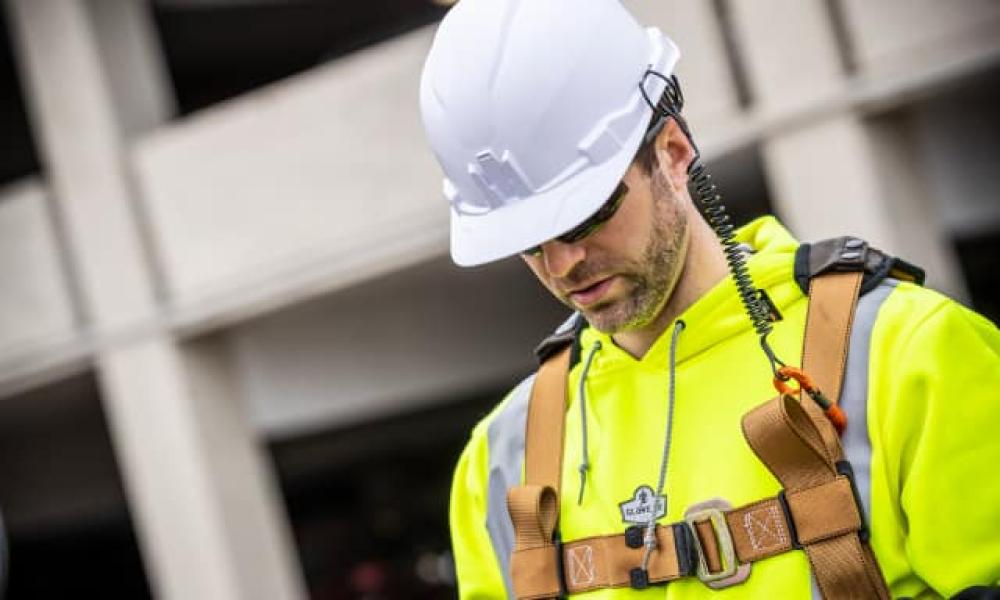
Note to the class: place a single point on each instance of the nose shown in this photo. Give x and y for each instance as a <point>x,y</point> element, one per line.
<point>560,258</point>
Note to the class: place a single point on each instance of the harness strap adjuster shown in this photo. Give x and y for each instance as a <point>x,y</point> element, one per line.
<point>793,534</point>
<point>560,565</point>
<point>724,543</point>
<point>687,554</point>
<point>844,468</point>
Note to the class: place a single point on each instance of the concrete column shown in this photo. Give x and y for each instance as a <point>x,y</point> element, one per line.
<point>837,174</point>
<point>201,495</point>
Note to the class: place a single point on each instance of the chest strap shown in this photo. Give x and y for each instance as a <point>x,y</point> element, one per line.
<point>818,510</point>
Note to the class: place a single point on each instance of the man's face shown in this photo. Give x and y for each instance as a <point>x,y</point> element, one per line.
<point>621,276</point>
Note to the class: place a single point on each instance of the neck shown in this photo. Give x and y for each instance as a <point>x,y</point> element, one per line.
<point>704,266</point>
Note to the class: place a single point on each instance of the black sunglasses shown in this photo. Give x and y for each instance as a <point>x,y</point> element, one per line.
<point>593,222</point>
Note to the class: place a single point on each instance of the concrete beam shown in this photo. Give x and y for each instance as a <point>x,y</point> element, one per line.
<point>841,173</point>
<point>206,512</point>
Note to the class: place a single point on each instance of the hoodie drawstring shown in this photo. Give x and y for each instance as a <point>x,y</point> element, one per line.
<point>649,537</point>
<point>585,463</point>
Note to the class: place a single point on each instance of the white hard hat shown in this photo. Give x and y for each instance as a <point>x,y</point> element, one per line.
<point>534,110</point>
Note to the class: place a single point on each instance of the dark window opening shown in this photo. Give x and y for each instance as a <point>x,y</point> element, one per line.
<point>67,522</point>
<point>18,156</point>
<point>979,256</point>
<point>739,175</point>
<point>215,51</point>
<point>369,504</point>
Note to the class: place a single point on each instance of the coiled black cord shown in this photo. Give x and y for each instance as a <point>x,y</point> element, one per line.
<point>712,208</point>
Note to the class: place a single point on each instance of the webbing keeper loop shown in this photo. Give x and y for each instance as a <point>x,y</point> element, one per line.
<point>844,468</point>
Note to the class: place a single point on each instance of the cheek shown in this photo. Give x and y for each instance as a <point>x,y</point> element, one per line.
<point>537,268</point>
<point>627,237</point>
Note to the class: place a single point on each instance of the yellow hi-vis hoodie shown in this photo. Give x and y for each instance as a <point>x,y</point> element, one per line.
<point>922,396</point>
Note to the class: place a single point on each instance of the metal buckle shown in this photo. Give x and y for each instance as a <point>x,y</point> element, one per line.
<point>732,572</point>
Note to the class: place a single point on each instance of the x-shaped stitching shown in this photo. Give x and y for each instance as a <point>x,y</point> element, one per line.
<point>581,565</point>
<point>766,530</point>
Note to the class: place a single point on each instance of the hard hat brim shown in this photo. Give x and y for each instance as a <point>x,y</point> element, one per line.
<point>515,227</point>
<point>504,232</point>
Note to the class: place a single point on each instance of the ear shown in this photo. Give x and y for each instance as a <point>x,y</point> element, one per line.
<point>674,152</point>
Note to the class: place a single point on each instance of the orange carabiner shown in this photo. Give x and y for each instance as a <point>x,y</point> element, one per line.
<point>833,412</point>
<point>785,373</point>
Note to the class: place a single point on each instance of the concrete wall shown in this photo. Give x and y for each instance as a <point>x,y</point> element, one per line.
<point>329,167</point>
<point>36,306</point>
<point>893,35</point>
<point>399,344</point>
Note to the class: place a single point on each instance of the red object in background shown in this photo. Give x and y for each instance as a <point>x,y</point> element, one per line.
<point>369,577</point>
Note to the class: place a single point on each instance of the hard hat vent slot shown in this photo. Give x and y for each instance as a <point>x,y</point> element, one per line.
<point>499,180</point>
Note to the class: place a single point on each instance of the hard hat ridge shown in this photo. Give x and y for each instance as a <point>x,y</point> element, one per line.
<point>534,112</point>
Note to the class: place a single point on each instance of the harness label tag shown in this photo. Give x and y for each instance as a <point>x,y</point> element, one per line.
<point>643,507</point>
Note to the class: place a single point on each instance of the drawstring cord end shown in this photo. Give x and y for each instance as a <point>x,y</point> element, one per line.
<point>585,465</point>
<point>649,541</point>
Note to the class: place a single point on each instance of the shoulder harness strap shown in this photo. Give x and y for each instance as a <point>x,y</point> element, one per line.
<point>567,334</point>
<point>796,442</point>
<point>818,510</point>
<point>851,254</point>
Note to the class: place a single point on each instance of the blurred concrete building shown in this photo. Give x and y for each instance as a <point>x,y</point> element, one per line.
<point>235,361</point>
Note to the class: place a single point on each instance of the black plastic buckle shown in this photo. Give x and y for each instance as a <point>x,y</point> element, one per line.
<point>560,565</point>
<point>789,521</point>
<point>844,468</point>
<point>687,557</point>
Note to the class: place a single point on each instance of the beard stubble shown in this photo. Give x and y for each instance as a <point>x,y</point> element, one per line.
<point>654,276</point>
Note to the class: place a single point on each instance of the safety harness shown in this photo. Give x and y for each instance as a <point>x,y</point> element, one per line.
<point>818,510</point>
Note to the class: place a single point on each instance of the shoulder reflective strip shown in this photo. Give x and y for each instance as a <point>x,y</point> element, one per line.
<point>854,394</point>
<point>505,435</point>
<point>568,324</point>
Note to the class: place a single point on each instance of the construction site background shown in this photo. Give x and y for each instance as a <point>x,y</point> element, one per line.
<point>235,359</point>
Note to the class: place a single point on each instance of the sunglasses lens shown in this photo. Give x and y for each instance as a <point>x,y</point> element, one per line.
<point>592,224</point>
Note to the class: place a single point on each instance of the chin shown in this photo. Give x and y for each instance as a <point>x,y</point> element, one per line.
<point>631,313</point>
<point>610,318</point>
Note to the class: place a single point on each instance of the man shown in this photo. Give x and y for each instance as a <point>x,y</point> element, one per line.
<point>540,115</point>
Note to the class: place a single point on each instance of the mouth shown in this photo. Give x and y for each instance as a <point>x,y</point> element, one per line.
<point>592,293</point>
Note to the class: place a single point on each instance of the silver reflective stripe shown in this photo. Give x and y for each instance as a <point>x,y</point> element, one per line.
<point>505,435</point>
<point>854,394</point>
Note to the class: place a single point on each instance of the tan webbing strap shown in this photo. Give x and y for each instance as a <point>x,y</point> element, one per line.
<point>758,531</point>
<point>534,511</point>
<point>543,444</point>
<point>833,298</point>
<point>832,302</point>
<point>605,561</point>
<point>801,448</point>
<point>534,506</point>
